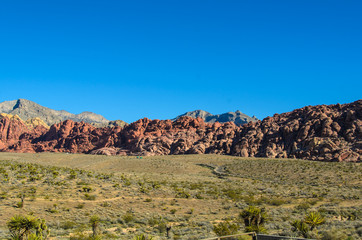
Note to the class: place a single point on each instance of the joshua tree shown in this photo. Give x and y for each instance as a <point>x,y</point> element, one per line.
<point>254,219</point>
<point>94,222</point>
<point>28,227</point>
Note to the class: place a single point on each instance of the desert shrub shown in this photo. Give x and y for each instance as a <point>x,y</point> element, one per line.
<point>304,206</point>
<point>191,211</point>
<point>142,237</point>
<point>162,226</point>
<point>19,204</point>
<point>143,189</point>
<point>87,189</point>
<point>80,205</point>
<point>198,196</point>
<point>68,225</point>
<point>3,195</point>
<point>154,220</point>
<point>81,182</point>
<point>225,228</point>
<point>128,217</point>
<point>105,204</point>
<point>334,234</point>
<point>72,175</point>
<point>155,185</point>
<point>181,193</point>
<point>277,201</point>
<point>89,197</point>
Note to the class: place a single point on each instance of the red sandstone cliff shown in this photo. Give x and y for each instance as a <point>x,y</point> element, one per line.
<point>324,133</point>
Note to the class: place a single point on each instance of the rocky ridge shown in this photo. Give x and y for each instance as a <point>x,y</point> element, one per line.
<point>26,110</point>
<point>237,117</point>
<point>323,133</point>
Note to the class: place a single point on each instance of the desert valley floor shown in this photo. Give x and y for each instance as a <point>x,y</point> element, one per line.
<point>191,193</point>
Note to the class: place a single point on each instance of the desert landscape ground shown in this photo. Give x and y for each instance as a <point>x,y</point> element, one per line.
<point>191,193</point>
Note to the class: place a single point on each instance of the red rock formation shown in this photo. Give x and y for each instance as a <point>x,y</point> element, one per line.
<point>15,135</point>
<point>324,133</point>
<point>76,137</point>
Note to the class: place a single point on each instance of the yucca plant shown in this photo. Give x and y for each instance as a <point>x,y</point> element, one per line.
<point>308,224</point>
<point>314,219</point>
<point>301,227</point>
<point>254,219</point>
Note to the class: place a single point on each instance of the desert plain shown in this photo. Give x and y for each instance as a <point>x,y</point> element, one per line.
<point>190,194</point>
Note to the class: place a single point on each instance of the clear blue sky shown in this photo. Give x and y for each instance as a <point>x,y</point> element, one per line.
<point>158,59</point>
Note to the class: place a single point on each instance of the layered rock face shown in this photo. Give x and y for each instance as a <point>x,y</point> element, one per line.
<point>324,133</point>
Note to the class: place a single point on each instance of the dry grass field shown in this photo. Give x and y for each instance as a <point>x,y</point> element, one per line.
<point>190,193</point>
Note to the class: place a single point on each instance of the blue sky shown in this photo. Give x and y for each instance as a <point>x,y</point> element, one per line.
<point>158,59</point>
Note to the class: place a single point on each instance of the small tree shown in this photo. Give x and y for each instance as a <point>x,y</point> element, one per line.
<point>94,222</point>
<point>254,219</point>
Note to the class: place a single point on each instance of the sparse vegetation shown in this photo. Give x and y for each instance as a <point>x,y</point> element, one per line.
<point>176,191</point>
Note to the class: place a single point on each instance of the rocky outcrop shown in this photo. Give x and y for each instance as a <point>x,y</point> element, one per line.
<point>17,136</point>
<point>76,137</point>
<point>325,133</point>
<point>322,133</point>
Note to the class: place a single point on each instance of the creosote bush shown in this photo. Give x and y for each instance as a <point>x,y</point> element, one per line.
<point>225,228</point>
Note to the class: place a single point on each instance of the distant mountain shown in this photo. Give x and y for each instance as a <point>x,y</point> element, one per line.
<point>26,110</point>
<point>237,117</point>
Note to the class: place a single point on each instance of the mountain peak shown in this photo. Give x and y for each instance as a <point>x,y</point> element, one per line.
<point>20,103</point>
<point>27,109</point>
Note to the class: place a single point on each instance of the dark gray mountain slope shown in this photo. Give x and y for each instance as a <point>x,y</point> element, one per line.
<point>237,117</point>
